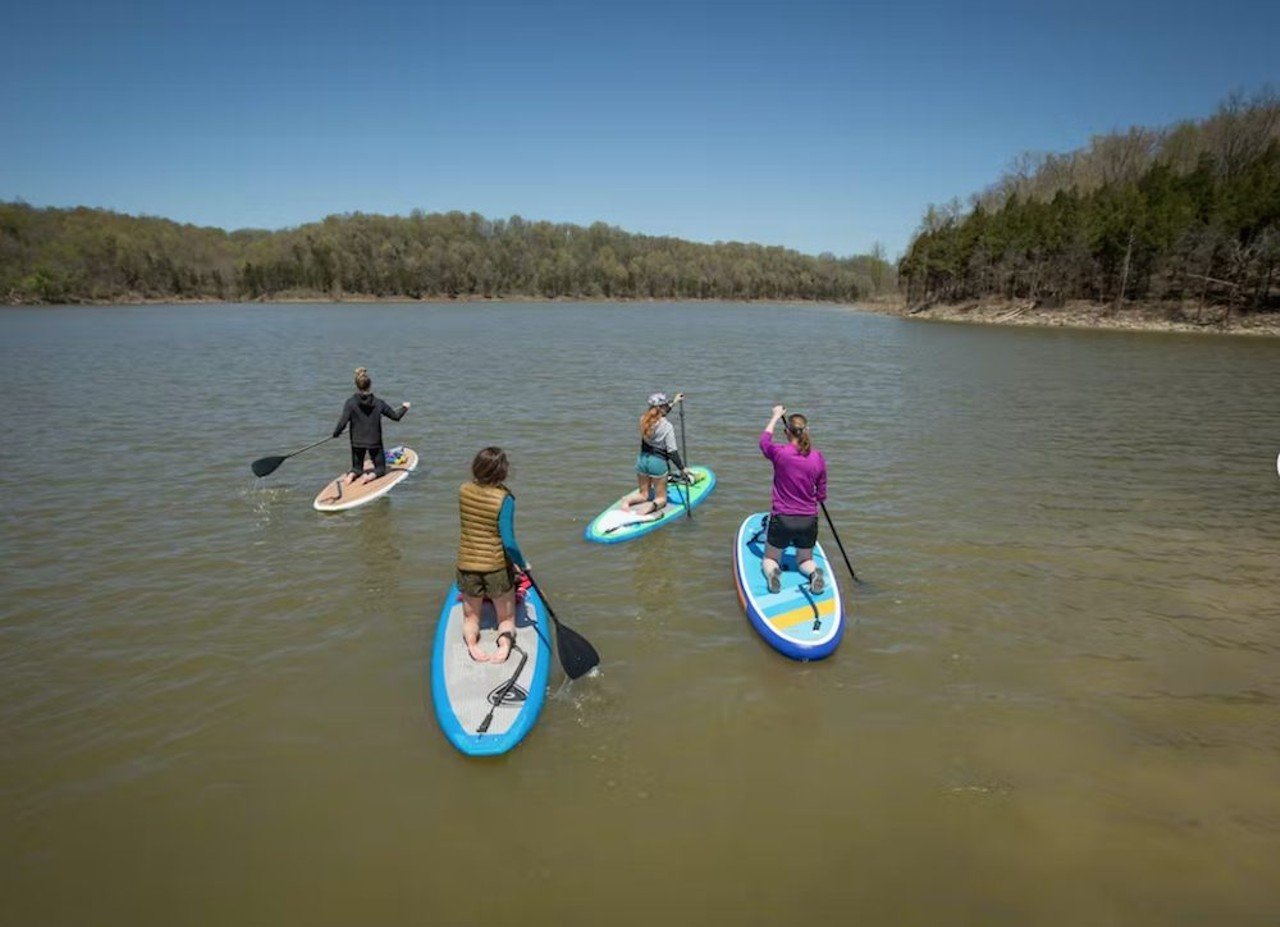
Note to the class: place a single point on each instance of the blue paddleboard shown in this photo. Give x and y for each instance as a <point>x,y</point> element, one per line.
<point>614,525</point>
<point>464,691</point>
<point>794,621</point>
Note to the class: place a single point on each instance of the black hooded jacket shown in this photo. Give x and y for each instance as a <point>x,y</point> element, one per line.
<point>363,412</point>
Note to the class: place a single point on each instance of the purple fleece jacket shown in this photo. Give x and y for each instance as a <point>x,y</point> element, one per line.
<point>799,481</point>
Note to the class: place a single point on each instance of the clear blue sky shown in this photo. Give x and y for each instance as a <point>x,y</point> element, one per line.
<point>821,126</point>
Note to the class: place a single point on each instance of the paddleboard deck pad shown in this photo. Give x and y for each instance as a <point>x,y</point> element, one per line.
<point>614,525</point>
<point>335,497</point>
<point>795,621</point>
<point>465,692</point>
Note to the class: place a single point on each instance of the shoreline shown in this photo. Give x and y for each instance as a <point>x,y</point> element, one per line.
<point>360,299</point>
<point>1074,314</point>
<point>1083,314</point>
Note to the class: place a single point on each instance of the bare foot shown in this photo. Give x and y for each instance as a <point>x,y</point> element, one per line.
<point>471,637</point>
<point>369,477</point>
<point>348,479</point>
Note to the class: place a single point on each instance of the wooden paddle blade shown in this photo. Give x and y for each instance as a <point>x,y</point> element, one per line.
<point>264,465</point>
<point>577,656</point>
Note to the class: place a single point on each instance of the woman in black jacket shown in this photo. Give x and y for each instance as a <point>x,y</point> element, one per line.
<point>363,412</point>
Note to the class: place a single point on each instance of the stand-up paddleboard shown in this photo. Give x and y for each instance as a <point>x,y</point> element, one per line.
<point>465,692</point>
<point>335,497</point>
<point>614,525</point>
<point>794,621</point>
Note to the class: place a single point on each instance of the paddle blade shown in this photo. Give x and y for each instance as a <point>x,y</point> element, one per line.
<point>264,465</point>
<point>577,656</point>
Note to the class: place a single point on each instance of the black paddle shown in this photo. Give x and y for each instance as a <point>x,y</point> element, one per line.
<point>264,465</point>
<point>577,656</point>
<point>838,544</point>
<point>684,448</point>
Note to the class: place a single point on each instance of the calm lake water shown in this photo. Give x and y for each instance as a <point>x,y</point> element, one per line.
<point>1059,701</point>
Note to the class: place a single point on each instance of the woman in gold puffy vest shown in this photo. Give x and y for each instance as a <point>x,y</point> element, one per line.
<point>488,552</point>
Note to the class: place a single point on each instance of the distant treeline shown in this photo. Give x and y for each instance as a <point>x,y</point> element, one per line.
<point>74,255</point>
<point>1190,212</point>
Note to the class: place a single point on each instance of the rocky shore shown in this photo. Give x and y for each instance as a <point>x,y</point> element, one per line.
<point>1166,317</point>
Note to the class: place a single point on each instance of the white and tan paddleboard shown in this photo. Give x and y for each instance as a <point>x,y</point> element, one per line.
<point>336,497</point>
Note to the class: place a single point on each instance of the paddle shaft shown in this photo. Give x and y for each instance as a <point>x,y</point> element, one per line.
<point>582,656</point>
<point>684,449</point>
<point>310,446</point>
<point>550,611</point>
<point>275,462</point>
<point>836,535</point>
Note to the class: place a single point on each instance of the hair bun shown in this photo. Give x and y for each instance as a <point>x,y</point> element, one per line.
<point>362,371</point>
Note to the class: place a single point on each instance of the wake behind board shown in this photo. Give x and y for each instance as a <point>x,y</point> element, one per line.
<point>794,621</point>
<point>335,497</point>
<point>614,525</point>
<point>465,691</point>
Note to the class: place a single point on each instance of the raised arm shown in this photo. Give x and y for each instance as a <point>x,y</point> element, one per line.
<point>766,436</point>
<point>395,414</point>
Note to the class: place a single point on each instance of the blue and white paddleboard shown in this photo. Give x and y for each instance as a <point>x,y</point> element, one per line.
<point>794,621</point>
<point>614,525</point>
<point>464,691</point>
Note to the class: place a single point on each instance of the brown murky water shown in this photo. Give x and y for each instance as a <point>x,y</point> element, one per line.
<point>1058,703</point>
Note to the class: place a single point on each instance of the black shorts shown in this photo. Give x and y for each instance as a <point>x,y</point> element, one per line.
<point>793,531</point>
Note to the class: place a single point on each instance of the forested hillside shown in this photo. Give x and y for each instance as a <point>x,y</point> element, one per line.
<point>1190,212</point>
<point>72,255</point>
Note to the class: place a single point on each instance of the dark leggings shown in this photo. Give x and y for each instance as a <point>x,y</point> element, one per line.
<point>378,454</point>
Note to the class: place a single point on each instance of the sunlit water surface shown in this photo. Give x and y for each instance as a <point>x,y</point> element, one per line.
<point>1057,703</point>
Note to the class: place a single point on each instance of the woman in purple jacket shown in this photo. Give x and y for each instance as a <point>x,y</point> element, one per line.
<point>799,487</point>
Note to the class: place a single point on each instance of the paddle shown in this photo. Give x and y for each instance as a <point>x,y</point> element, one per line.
<point>264,465</point>
<point>838,544</point>
<point>684,447</point>
<point>577,656</point>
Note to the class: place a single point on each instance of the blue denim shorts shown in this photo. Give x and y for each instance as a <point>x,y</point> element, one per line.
<point>650,465</point>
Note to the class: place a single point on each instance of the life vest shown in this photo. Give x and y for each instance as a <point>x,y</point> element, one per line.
<point>480,547</point>
<point>647,448</point>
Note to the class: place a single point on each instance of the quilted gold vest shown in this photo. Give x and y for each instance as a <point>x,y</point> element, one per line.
<point>480,545</point>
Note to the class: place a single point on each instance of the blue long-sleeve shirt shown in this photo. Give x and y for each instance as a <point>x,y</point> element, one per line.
<point>507,530</point>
